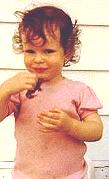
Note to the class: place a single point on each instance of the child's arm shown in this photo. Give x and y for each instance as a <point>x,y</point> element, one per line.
<point>3,103</point>
<point>89,129</point>
<point>21,81</point>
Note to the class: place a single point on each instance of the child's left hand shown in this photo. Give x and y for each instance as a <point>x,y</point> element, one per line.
<point>54,120</point>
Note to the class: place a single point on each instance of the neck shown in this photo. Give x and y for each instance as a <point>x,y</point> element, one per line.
<point>54,80</point>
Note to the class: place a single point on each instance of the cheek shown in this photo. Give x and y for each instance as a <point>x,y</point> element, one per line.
<point>58,61</point>
<point>27,62</point>
<point>57,67</point>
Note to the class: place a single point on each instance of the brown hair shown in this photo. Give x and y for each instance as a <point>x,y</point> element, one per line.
<point>33,22</point>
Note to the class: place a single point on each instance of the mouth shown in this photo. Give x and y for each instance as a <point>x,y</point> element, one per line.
<point>40,70</point>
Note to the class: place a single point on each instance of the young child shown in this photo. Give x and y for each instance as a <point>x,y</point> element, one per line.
<point>53,122</point>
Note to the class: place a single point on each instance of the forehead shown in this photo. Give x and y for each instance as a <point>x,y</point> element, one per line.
<point>50,37</point>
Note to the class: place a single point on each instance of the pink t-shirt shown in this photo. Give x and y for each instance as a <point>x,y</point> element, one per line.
<point>50,155</point>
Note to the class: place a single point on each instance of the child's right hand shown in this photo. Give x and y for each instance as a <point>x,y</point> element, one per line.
<point>19,82</point>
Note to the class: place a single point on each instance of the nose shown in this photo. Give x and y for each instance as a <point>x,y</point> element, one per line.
<point>38,58</point>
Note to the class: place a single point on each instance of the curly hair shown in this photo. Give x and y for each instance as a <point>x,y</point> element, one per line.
<point>33,21</point>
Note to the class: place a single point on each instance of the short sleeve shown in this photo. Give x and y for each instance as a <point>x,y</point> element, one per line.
<point>88,101</point>
<point>14,104</point>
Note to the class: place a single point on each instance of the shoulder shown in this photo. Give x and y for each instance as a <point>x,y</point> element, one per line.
<point>80,89</point>
<point>78,85</point>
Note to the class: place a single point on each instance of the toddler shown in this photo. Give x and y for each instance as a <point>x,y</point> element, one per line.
<point>54,115</point>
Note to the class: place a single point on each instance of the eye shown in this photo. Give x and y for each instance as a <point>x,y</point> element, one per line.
<point>29,51</point>
<point>48,51</point>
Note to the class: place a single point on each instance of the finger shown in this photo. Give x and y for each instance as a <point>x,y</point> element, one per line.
<point>45,130</point>
<point>31,76</point>
<point>56,110</point>
<point>50,114</point>
<point>31,82</point>
<point>29,87</point>
<point>48,126</point>
<point>48,120</point>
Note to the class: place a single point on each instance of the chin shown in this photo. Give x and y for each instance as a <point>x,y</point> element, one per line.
<point>43,77</point>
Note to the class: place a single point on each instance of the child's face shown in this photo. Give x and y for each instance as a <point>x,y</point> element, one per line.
<point>45,60</point>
